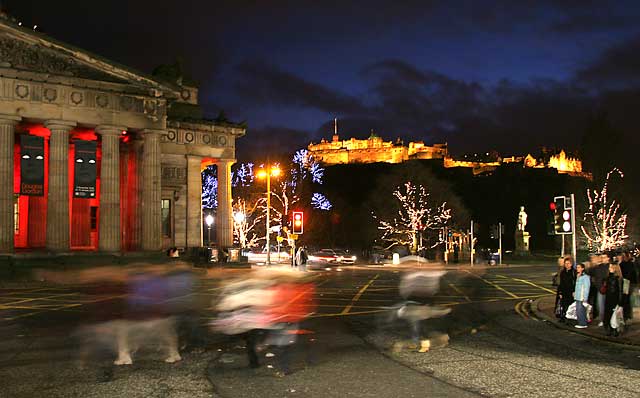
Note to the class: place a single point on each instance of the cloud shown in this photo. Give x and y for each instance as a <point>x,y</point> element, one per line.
<point>265,83</point>
<point>273,142</point>
<point>616,67</point>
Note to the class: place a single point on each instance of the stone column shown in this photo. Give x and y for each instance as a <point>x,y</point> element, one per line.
<point>7,129</point>
<point>151,191</point>
<point>136,238</point>
<point>194,201</point>
<point>109,216</point>
<point>58,197</point>
<point>224,221</point>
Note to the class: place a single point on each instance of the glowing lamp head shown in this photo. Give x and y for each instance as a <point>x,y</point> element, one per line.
<point>239,217</point>
<point>209,220</point>
<point>262,173</point>
<point>275,172</point>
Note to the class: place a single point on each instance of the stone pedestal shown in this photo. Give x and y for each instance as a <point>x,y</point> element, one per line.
<point>7,128</point>
<point>522,243</point>
<point>109,217</point>
<point>224,226</point>
<point>58,196</point>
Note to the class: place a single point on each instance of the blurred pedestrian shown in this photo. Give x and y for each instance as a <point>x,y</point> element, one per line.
<point>613,296</point>
<point>629,283</point>
<point>598,271</point>
<point>581,295</point>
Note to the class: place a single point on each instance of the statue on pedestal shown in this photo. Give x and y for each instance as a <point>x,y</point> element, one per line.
<point>522,236</point>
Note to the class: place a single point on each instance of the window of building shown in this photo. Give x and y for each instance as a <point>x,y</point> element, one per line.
<point>16,214</point>
<point>165,214</point>
<point>94,218</point>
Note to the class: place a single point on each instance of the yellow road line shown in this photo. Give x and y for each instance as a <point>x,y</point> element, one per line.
<point>529,283</point>
<point>493,284</point>
<point>454,287</point>
<point>357,296</point>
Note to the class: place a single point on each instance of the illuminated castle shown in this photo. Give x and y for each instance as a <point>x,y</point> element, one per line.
<point>374,150</point>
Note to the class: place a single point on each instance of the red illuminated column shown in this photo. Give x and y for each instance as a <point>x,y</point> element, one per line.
<point>58,196</point>
<point>151,190</point>
<point>7,129</point>
<point>109,231</point>
<point>224,225</point>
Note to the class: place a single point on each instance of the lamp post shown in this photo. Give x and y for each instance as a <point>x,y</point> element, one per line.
<point>267,173</point>
<point>238,218</point>
<point>209,220</point>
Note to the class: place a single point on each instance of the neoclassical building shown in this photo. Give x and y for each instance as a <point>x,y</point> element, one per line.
<point>97,156</point>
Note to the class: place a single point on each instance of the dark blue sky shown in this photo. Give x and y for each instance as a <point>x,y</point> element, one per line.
<point>506,75</point>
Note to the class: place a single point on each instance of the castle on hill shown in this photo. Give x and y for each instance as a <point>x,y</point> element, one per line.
<point>374,150</point>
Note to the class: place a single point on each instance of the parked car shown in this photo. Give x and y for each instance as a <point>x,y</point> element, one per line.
<point>324,256</point>
<point>344,257</point>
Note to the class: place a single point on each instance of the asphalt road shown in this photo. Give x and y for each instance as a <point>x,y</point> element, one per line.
<point>496,347</point>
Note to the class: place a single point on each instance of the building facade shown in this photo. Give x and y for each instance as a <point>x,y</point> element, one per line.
<point>95,156</point>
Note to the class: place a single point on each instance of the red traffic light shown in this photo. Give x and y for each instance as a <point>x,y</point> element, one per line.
<point>552,206</point>
<point>298,222</point>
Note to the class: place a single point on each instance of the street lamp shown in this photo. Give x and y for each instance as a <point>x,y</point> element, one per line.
<point>209,220</point>
<point>268,172</point>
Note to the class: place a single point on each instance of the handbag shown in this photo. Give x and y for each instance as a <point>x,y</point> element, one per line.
<point>558,310</point>
<point>603,287</point>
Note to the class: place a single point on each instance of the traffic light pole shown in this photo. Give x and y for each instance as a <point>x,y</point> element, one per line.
<point>573,229</point>
<point>500,243</point>
<point>471,243</point>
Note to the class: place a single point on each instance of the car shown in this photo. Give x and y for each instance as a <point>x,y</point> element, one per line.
<point>344,257</point>
<point>256,255</point>
<point>325,256</point>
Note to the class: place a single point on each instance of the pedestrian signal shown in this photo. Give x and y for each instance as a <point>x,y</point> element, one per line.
<point>562,215</point>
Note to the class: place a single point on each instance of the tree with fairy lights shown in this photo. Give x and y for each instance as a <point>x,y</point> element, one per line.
<point>245,219</point>
<point>415,214</point>
<point>604,224</point>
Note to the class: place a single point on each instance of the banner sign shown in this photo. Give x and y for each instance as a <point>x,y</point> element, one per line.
<point>84,181</point>
<point>31,165</point>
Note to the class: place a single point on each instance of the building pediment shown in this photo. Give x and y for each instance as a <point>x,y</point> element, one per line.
<point>24,51</point>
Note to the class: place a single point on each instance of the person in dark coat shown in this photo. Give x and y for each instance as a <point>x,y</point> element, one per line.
<point>566,286</point>
<point>599,271</point>
<point>629,273</point>
<point>612,296</point>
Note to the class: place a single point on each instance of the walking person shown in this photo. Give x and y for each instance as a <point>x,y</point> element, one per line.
<point>581,295</point>
<point>613,296</point>
<point>566,287</point>
<point>629,283</point>
<point>599,271</point>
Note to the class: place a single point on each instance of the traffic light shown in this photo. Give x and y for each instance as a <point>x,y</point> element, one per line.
<point>562,215</point>
<point>298,222</point>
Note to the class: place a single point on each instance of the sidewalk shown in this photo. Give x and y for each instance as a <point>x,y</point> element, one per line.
<point>544,309</point>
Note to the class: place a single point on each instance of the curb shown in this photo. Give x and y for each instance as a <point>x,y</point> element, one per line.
<point>552,320</point>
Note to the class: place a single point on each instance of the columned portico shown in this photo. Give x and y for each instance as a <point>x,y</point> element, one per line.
<point>58,196</point>
<point>224,219</point>
<point>151,190</point>
<point>109,232</point>
<point>194,201</point>
<point>7,129</point>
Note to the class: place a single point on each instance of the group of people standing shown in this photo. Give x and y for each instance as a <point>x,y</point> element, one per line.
<point>603,283</point>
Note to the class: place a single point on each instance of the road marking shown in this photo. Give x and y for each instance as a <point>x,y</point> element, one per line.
<point>493,284</point>
<point>529,283</point>
<point>454,287</point>
<point>357,296</point>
